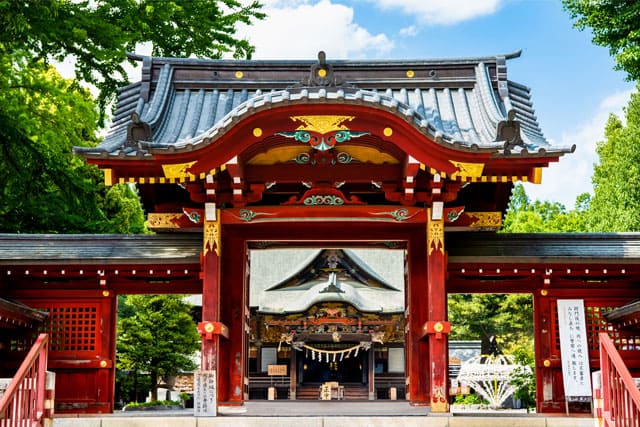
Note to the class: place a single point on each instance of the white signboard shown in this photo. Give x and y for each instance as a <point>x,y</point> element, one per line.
<point>573,348</point>
<point>204,394</point>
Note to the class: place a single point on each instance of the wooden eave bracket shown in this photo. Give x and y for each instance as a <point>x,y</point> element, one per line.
<point>208,329</point>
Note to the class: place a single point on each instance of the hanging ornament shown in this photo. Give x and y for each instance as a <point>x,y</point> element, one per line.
<point>357,349</point>
<point>341,356</point>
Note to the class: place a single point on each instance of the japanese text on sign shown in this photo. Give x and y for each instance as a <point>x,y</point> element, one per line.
<point>573,348</point>
<point>204,394</point>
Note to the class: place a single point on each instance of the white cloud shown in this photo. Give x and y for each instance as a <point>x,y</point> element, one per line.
<point>445,12</point>
<point>409,31</point>
<point>565,180</point>
<point>298,29</point>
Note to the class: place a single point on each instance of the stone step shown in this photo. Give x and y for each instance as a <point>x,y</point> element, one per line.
<point>324,421</point>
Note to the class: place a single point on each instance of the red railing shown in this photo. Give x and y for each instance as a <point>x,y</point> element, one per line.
<point>621,397</point>
<point>22,403</point>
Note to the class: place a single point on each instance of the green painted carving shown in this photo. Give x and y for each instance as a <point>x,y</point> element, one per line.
<point>298,135</point>
<point>453,215</point>
<point>346,135</point>
<point>322,142</point>
<point>344,158</point>
<point>303,159</point>
<point>329,200</point>
<point>247,214</point>
<point>399,215</point>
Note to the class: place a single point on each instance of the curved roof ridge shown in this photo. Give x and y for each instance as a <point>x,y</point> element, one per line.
<point>262,62</point>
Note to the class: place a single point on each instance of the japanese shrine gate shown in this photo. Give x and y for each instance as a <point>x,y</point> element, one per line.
<point>240,155</point>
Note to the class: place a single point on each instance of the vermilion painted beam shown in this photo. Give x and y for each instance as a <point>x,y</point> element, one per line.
<point>334,173</point>
<point>344,214</point>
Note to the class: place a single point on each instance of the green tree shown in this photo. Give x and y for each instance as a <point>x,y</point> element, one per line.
<point>156,334</point>
<point>615,203</point>
<point>509,317</point>
<point>97,34</point>
<point>615,24</point>
<point>43,187</point>
<point>524,216</point>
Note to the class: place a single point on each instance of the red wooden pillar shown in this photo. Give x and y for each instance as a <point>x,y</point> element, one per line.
<point>417,349</point>
<point>437,328</point>
<point>211,328</point>
<point>234,312</point>
<point>545,362</point>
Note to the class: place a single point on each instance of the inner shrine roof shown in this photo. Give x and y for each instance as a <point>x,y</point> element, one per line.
<point>465,104</point>
<point>293,280</point>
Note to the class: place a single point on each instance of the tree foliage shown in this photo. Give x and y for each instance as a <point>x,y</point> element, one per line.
<point>156,334</point>
<point>616,178</point>
<point>615,24</point>
<point>97,34</point>
<point>524,216</point>
<point>508,317</point>
<point>44,188</point>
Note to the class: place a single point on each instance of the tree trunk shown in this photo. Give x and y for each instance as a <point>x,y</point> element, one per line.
<point>154,386</point>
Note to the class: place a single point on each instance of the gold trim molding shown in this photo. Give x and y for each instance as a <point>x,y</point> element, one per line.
<point>322,124</point>
<point>470,170</point>
<point>486,219</point>
<point>211,240</point>
<point>435,235</point>
<point>178,170</point>
<point>163,220</point>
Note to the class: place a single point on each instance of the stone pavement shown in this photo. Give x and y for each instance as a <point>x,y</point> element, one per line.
<point>321,414</point>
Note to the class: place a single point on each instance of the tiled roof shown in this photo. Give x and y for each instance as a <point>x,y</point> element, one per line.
<point>459,103</point>
<point>61,249</point>
<point>540,248</point>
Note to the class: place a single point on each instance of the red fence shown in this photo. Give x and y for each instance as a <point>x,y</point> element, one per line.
<point>621,397</point>
<point>23,403</point>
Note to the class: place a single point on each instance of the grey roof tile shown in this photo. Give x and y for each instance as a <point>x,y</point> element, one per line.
<point>615,248</point>
<point>463,109</point>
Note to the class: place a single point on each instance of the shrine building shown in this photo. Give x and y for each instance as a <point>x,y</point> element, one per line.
<point>235,160</point>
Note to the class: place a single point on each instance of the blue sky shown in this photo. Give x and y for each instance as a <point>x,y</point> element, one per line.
<point>574,86</point>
